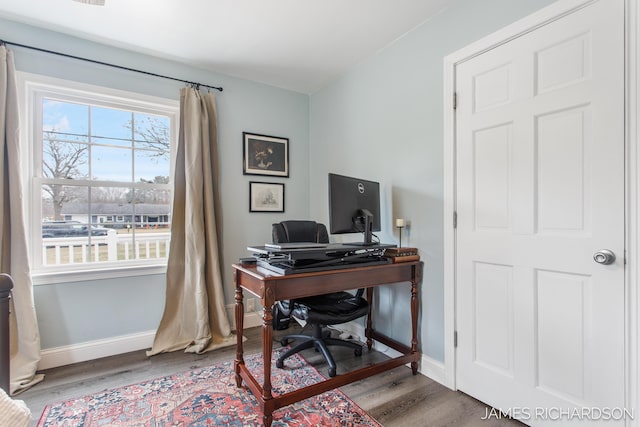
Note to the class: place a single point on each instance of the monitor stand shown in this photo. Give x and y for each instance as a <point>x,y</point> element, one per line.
<point>368,229</point>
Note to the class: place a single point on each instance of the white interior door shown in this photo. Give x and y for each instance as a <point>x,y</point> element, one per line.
<point>539,191</point>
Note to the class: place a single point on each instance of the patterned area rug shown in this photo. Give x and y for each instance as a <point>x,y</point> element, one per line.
<point>208,397</point>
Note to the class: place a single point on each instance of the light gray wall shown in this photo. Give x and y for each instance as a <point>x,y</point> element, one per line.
<point>383,121</point>
<point>71,313</point>
<point>380,121</point>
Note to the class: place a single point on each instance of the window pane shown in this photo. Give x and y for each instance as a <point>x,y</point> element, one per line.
<point>113,164</point>
<point>153,132</point>
<point>151,167</point>
<point>143,243</point>
<point>152,223</point>
<point>65,224</point>
<point>57,201</point>
<point>111,123</point>
<point>63,159</point>
<point>107,203</point>
<point>67,118</point>
<point>153,201</point>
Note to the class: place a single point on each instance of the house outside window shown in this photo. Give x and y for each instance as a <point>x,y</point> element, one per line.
<point>100,177</point>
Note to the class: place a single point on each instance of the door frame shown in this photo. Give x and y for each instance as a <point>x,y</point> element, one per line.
<point>632,182</point>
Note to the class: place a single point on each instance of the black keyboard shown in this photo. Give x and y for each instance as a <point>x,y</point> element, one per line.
<point>285,269</point>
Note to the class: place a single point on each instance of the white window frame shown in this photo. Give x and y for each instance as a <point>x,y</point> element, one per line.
<point>32,87</point>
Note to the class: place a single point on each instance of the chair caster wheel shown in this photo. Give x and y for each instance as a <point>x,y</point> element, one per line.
<point>279,364</point>
<point>357,351</point>
<point>332,372</point>
<point>284,342</point>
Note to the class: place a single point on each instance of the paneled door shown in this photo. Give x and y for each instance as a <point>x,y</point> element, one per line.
<point>540,300</point>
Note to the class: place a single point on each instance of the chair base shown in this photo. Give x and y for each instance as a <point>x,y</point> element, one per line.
<point>320,340</point>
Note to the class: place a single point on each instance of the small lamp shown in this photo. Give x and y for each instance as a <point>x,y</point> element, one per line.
<point>400,225</point>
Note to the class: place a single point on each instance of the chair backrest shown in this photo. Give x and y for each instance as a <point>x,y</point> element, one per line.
<point>299,231</point>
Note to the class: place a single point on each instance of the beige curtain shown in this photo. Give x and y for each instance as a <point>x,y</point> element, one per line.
<point>14,257</point>
<point>194,316</point>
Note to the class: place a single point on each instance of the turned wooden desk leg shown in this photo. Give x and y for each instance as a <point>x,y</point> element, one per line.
<point>267,348</point>
<point>369,329</point>
<point>239,330</point>
<point>415,279</point>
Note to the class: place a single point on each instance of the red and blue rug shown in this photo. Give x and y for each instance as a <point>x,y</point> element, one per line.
<point>208,397</point>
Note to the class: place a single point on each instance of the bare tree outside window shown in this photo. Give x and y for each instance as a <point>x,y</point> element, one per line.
<point>64,160</point>
<point>152,133</point>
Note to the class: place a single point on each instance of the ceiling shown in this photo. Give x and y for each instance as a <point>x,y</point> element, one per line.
<point>299,45</point>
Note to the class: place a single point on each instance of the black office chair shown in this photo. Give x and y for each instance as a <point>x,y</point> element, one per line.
<point>320,310</point>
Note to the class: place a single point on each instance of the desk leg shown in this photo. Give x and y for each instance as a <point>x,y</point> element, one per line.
<point>267,348</point>
<point>369,329</point>
<point>415,279</point>
<point>239,331</point>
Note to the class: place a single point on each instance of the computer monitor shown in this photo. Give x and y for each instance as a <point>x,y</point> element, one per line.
<point>354,206</point>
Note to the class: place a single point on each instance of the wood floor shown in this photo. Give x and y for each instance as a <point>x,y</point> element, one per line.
<point>394,398</point>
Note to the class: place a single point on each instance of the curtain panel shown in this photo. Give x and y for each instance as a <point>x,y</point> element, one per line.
<point>24,337</point>
<point>194,317</point>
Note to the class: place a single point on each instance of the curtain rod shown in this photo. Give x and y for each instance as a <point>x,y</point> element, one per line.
<point>194,84</point>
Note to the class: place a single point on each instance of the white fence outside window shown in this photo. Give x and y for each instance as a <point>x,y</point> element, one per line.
<point>112,247</point>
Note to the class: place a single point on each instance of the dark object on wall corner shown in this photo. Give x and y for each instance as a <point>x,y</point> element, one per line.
<point>281,315</point>
<point>6,284</point>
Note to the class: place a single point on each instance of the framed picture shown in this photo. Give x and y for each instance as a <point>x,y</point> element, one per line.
<point>265,155</point>
<point>266,197</point>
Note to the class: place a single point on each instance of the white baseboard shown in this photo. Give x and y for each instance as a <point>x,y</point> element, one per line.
<point>435,370</point>
<point>353,328</point>
<point>429,367</point>
<point>251,319</point>
<point>90,350</point>
<point>68,354</point>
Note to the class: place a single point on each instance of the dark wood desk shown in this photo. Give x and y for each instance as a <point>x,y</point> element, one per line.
<point>270,288</point>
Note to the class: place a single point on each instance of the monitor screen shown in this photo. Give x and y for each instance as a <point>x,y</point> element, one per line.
<point>354,206</point>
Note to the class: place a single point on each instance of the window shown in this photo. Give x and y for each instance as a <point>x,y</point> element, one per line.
<point>101,177</point>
